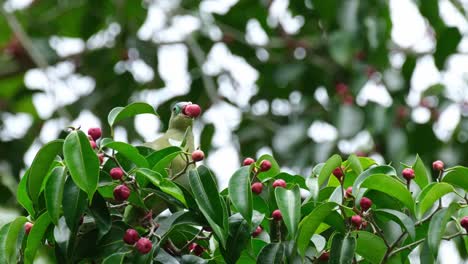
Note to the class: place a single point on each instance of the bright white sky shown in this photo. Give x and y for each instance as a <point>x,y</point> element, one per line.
<point>62,85</point>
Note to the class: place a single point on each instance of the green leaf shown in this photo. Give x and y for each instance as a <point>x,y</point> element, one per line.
<point>101,215</point>
<point>128,151</point>
<point>74,204</point>
<point>375,170</point>
<point>402,219</point>
<point>3,239</point>
<point>446,45</point>
<point>370,247</point>
<point>35,237</point>
<point>239,235</point>
<point>116,258</point>
<point>420,172</point>
<point>272,172</point>
<point>342,249</point>
<point>82,162</point>
<point>355,164</point>
<point>312,185</point>
<point>457,176</point>
<point>23,197</point>
<point>271,254</point>
<point>341,47</point>
<point>119,113</point>
<point>429,195</point>
<point>332,163</point>
<point>164,184</point>
<point>162,165</point>
<point>212,206</point>
<point>289,204</point>
<point>240,193</point>
<point>438,225</point>
<point>53,193</point>
<point>310,223</point>
<point>391,186</point>
<point>156,156</point>
<point>12,236</point>
<point>40,167</point>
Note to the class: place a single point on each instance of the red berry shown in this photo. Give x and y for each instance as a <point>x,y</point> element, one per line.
<point>279,183</point>
<point>27,227</point>
<point>341,89</point>
<point>464,223</point>
<point>248,161</point>
<point>192,110</point>
<point>198,155</point>
<point>408,174</point>
<point>265,165</point>
<point>365,203</point>
<point>93,144</point>
<point>116,173</point>
<point>257,231</point>
<point>338,172</point>
<point>438,165</point>
<point>144,245</point>
<point>95,133</point>
<point>349,192</point>
<point>131,236</point>
<point>196,249</point>
<point>257,187</point>
<point>101,158</point>
<point>277,215</point>
<point>121,192</point>
<point>325,256</point>
<point>356,220</point>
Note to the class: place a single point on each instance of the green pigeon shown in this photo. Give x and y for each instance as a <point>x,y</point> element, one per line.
<point>180,129</point>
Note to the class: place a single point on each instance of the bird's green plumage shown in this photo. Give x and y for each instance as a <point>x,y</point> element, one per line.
<point>180,128</point>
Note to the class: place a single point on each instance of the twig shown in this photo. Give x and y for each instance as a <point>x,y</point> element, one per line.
<point>407,247</point>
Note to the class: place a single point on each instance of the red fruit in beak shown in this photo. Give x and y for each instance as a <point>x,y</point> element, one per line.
<point>192,110</point>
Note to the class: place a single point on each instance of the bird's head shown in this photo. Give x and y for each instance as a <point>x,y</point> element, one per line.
<point>182,115</point>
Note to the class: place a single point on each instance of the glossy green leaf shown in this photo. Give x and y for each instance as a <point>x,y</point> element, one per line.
<point>384,169</point>
<point>272,172</point>
<point>421,176</point>
<point>429,195</point>
<point>164,184</point>
<point>23,197</point>
<point>3,238</point>
<point>53,193</point>
<point>240,192</point>
<point>391,186</point>
<point>402,219</point>
<point>457,176</point>
<point>10,247</point>
<point>272,254</point>
<point>99,211</point>
<point>342,249</point>
<point>370,247</point>
<point>116,258</point>
<point>332,163</point>
<point>355,164</point>
<point>438,225</point>
<point>158,155</point>
<point>119,113</point>
<point>162,165</point>
<point>212,206</point>
<point>128,151</point>
<point>310,223</point>
<point>312,185</point>
<point>239,235</point>
<point>35,237</point>
<point>82,162</point>
<point>74,204</point>
<point>289,204</point>
<point>40,167</point>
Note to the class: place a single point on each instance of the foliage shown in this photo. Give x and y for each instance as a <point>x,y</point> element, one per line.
<point>345,211</point>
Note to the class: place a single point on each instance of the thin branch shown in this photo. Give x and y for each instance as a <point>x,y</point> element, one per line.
<point>407,246</point>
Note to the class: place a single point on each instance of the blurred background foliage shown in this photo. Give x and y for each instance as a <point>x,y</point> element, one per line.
<point>299,79</point>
